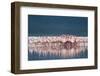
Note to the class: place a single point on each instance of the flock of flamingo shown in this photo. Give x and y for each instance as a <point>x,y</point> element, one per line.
<point>62,45</point>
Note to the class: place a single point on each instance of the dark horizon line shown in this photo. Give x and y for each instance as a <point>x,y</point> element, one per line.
<point>55,35</point>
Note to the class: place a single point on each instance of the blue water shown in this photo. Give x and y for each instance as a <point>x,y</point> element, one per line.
<point>39,25</point>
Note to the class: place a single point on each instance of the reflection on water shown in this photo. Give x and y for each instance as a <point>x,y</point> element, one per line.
<point>57,50</point>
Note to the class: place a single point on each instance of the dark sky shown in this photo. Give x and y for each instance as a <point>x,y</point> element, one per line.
<point>39,25</point>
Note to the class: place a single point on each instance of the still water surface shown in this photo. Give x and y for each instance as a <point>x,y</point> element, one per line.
<point>41,52</point>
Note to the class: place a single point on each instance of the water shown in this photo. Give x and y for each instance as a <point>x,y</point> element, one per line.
<point>37,56</point>
<point>42,52</point>
<point>39,25</point>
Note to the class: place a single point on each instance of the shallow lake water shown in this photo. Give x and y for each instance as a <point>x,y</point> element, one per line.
<point>42,52</point>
